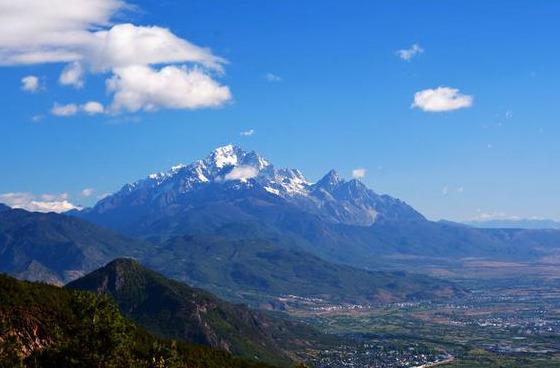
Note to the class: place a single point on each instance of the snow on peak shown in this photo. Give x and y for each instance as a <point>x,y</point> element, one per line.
<point>229,163</point>
<point>225,156</point>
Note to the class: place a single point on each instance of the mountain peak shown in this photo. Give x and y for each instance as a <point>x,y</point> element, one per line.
<point>228,155</point>
<point>127,262</point>
<point>330,180</point>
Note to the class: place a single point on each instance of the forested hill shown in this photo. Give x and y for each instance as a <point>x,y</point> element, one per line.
<point>46,326</point>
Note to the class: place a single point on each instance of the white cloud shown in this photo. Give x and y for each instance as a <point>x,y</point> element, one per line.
<point>37,31</point>
<point>64,110</point>
<point>242,173</point>
<point>358,173</point>
<point>92,108</point>
<point>411,52</point>
<point>71,109</point>
<point>87,192</point>
<point>144,88</point>
<point>247,133</point>
<point>272,77</point>
<point>126,45</point>
<point>441,99</point>
<point>72,75</point>
<point>30,83</point>
<point>445,190</point>
<point>38,203</point>
<point>81,33</point>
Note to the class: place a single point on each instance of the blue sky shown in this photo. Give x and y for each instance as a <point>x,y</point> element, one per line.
<point>321,85</point>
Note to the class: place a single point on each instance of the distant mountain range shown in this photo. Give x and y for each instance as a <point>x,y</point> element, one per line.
<point>516,224</point>
<point>238,226</point>
<point>233,192</point>
<point>58,248</point>
<point>174,310</point>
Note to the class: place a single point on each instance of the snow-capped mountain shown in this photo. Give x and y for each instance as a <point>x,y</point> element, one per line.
<point>232,170</point>
<point>241,196</point>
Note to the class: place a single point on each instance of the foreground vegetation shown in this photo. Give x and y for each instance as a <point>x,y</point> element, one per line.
<point>46,326</point>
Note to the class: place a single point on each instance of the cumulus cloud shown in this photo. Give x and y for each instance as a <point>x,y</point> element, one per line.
<point>242,173</point>
<point>37,31</point>
<point>38,203</point>
<point>92,108</point>
<point>71,109</point>
<point>142,87</point>
<point>87,192</point>
<point>411,52</point>
<point>81,34</point>
<point>126,44</point>
<point>64,110</point>
<point>358,173</point>
<point>270,77</point>
<point>72,75</point>
<point>247,133</point>
<point>441,99</point>
<point>30,83</point>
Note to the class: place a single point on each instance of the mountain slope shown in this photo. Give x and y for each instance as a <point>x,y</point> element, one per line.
<point>45,326</point>
<point>260,271</point>
<point>56,248</point>
<point>175,310</point>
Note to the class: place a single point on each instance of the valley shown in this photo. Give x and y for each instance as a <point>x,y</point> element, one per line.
<point>515,322</point>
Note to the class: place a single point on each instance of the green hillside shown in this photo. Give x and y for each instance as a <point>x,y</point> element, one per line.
<point>174,310</point>
<point>240,269</point>
<point>46,326</point>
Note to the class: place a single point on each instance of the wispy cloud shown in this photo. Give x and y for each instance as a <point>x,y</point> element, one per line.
<point>38,202</point>
<point>64,110</point>
<point>447,190</point>
<point>359,173</point>
<point>409,53</point>
<point>441,99</point>
<point>37,118</point>
<point>270,77</point>
<point>87,192</point>
<point>247,133</point>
